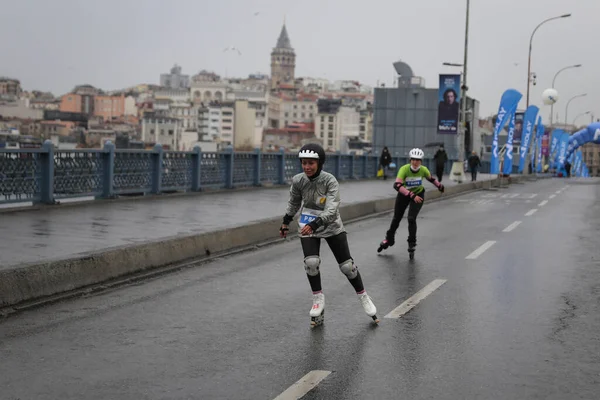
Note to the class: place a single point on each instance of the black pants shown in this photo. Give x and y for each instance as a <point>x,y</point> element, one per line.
<point>473,174</point>
<point>384,167</point>
<point>338,244</point>
<point>439,171</point>
<point>402,202</point>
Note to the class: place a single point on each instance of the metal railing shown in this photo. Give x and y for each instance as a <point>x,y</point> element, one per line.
<point>45,175</point>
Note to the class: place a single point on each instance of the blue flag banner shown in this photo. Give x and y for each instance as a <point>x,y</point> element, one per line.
<point>508,155</point>
<point>538,131</point>
<point>539,154</point>
<point>528,128</point>
<point>555,138</point>
<point>508,105</point>
<point>562,149</point>
<point>578,160</point>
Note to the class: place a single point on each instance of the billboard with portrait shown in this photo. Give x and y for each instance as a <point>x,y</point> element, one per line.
<point>449,104</point>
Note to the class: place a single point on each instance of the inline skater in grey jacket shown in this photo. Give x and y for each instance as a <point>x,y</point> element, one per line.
<point>316,194</point>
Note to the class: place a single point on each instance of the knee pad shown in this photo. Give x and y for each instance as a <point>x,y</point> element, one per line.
<point>349,269</point>
<point>311,265</point>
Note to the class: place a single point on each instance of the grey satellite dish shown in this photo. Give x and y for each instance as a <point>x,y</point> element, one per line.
<point>403,69</point>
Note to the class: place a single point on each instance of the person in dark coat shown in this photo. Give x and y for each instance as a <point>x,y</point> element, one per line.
<point>474,164</point>
<point>385,160</point>
<point>440,158</point>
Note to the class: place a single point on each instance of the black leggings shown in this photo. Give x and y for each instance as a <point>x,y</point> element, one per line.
<point>402,202</point>
<point>338,244</point>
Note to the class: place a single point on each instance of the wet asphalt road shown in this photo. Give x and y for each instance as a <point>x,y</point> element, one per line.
<point>520,321</point>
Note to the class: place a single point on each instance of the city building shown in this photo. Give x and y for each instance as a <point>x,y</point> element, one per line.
<point>338,125</point>
<point>290,138</point>
<point>175,79</point>
<point>591,157</point>
<point>405,117</point>
<point>10,87</point>
<point>163,130</point>
<point>298,108</point>
<point>207,87</point>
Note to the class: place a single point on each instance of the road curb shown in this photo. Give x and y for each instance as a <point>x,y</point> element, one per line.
<point>34,282</point>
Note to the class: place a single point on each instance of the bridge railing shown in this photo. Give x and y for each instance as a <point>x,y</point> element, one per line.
<point>45,175</point>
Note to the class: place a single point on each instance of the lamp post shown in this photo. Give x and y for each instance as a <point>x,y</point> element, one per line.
<point>569,102</point>
<point>530,44</point>
<point>457,173</point>
<point>553,81</point>
<point>580,115</point>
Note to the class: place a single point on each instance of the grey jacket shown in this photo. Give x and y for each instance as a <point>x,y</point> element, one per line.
<point>317,199</point>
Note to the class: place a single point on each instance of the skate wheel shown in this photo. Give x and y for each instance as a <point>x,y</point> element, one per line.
<point>379,249</point>
<point>411,256</point>
<point>316,321</point>
<point>375,319</point>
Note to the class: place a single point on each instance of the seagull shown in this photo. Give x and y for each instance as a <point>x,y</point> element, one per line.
<point>232,48</point>
<point>256,13</point>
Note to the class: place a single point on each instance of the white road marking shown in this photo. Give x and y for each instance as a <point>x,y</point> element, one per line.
<point>415,299</point>
<point>304,385</point>
<point>552,196</point>
<point>530,212</point>
<point>558,191</point>
<point>511,226</point>
<point>532,196</point>
<point>480,250</point>
<point>543,203</point>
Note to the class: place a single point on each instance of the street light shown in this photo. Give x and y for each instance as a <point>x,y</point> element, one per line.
<point>567,107</point>
<point>580,115</point>
<point>553,81</point>
<point>530,44</point>
<point>457,173</point>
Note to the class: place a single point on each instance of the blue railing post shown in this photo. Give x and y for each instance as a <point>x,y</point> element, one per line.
<point>157,162</point>
<point>108,170</point>
<point>281,171</point>
<point>257,166</point>
<point>47,170</point>
<point>229,156</point>
<point>365,159</point>
<point>376,164</point>
<point>338,164</point>
<point>196,169</point>
<point>351,167</point>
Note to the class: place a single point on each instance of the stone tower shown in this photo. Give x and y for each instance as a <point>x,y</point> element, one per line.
<point>283,61</point>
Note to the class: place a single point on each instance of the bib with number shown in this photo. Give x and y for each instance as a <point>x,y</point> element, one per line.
<point>413,182</point>
<point>307,216</point>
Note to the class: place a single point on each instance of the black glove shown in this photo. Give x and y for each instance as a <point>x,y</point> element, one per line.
<point>283,231</point>
<point>441,188</point>
<point>315,224</point>
<point>397,186</point>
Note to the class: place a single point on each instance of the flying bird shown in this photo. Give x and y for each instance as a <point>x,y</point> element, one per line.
<point>232,48</point>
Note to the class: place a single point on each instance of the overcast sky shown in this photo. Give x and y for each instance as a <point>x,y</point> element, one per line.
<point>53,45</point>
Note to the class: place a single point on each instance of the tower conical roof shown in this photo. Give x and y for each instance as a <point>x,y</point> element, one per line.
<point>284,40</point>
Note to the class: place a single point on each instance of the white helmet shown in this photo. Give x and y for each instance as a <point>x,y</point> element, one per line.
<point>416,153</point>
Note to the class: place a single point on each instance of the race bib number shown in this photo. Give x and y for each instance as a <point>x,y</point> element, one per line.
<point>308,215</point>
<point>413,182</point>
